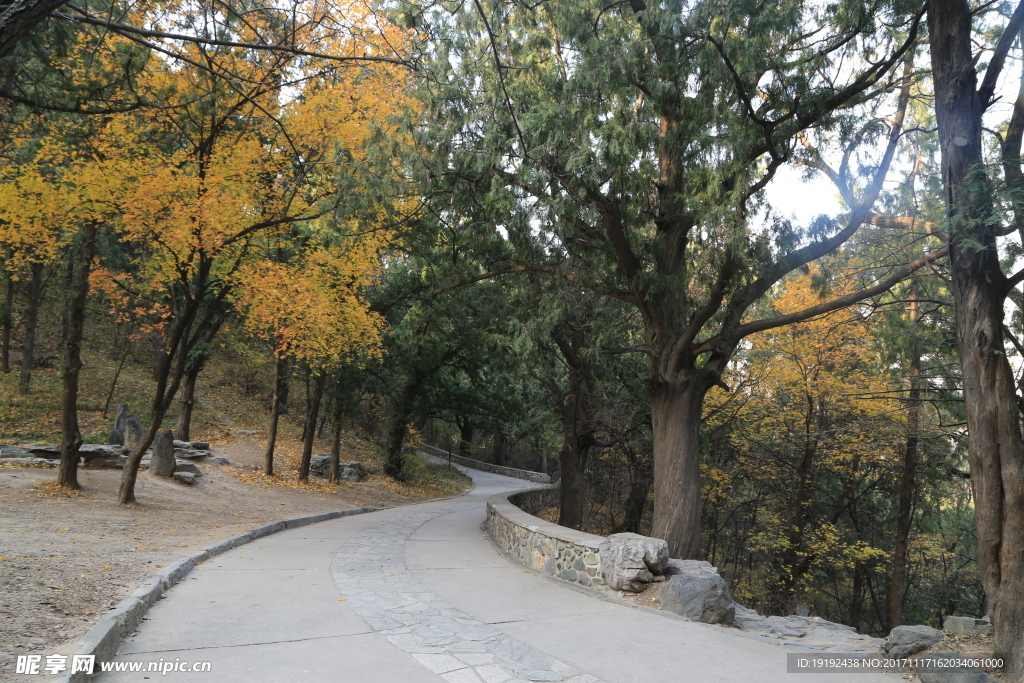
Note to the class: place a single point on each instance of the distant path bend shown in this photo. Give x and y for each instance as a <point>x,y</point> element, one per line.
<point>418,593</point>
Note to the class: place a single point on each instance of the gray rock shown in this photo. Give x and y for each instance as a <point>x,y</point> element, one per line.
<point>132,431</point>
<point>247,432</point>
<point>15,452</point>
<point>185,477</point>
<point>752,623</point>
<point>964,674</point>
<point>190,453</point>
<point>628,561</point>
<point>217,460</point>
<point>675,567</point>
<point>320,464</point>
<point>120,423</point>
<point>904,641</point>
<point>201,445</point>
<point>700,597</point>
<point>967,626</point>
<point>162,461</point>
<point>185,466</point>
<point>44,450</point>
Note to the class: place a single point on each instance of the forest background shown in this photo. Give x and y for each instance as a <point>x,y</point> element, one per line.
<point>544,236</point>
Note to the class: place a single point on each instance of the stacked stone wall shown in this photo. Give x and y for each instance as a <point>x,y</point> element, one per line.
<point>526,475</point>
<point>563,553</point>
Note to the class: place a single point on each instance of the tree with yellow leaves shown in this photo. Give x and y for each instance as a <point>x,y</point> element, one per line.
<point>818,426</point>
<point>311,309</point>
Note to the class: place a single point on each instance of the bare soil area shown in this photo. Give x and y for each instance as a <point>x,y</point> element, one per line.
<point>66,559</point>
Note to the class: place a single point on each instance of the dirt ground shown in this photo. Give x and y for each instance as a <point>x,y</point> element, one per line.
<point>65,560</point>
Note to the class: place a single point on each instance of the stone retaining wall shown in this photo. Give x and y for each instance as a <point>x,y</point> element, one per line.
<point>564,553</point>
<point>535,477</point>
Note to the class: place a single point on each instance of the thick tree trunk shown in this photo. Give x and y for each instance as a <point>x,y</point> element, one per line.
<point>188,401</point>
<point>995,446</point>
<point>19,17</point>
<point>35,300</point>
<point>906,488</point>
<point>70,435</point>
<point>675,416</point>
<point>314,413</point>
<point>280,370</point>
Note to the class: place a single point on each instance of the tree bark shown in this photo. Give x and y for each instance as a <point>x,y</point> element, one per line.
<point>280,379</point>
<point>8,316</point>
<point>70,434</point>
<point>314,413</point>
<point>35,300</point>
<point>907,484</point>
<point>465,426</point>
<point>675,416</point>
<point>394,466</point>
<point>335,473</point>
<point>19,17</point>
<point>187,403</point>
<point>995,446</point>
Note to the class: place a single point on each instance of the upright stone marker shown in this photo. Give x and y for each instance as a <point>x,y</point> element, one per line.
<point>162,463</point>
<point>116,437</point>
<point>132,431</point>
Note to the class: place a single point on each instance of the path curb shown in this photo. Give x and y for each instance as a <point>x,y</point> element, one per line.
<point>104,638</point>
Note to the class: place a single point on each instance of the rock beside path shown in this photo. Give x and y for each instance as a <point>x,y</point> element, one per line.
<point>320,465</point>
<point>162,462</point>
<point>628,561</point>
<point>699,596</point>
<point>904,641</point>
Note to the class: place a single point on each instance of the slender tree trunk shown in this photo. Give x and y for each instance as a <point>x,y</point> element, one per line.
<point>995,446</point>
<point>335,473</point>
<point>35,300</point>
<point>465,426</point>
<point>636,499</point>
<point>675,416</point>
<point>280,372</point>
<point>572,487</point>
<point>71,436</point>
<point>498,450</point>
<point>397,430</point>
<point>906,487</point>
<point>314,412</point>
<point>188,401</point>
<point>8,316</point>
<point>117,373</point>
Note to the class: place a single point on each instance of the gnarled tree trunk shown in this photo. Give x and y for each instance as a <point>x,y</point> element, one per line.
<point>995,446</point>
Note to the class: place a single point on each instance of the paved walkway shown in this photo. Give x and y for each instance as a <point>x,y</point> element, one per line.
<point>418,594</point>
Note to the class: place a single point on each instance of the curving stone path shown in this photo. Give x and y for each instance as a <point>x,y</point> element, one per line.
<point>418,594</point>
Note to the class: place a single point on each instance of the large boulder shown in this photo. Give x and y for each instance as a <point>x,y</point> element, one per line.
<point>967,626</point>
<point>320,465</point>
<point>904,641</point>
<point>959,674</point>
<point>628,561</point>
<point>162,462</point>
<point>699,597</point>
